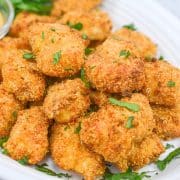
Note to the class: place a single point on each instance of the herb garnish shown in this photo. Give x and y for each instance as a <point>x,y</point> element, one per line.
<point>52,40</point>
<point>53,29</point>
<point>83,78</point>
<point>3,140</point>
<point>88,51</point>
<point>78,129</point>
<point>24,160</point>
<point>128,175</point>
<point>129,123</point>
<point>67,127</point>
<point>84,36</point>
<point>168,146</point>
<point>43,168</point>
<point>4,151</point>
<point>28,55</point>
<point>124,53</point>
<point>161,58</point>
<point>78,26</point>
<point>130,27</point>
<point>56,57</point>
<point>161,164</point>
<point>171,84</point>
<point>131,106</point>
<point>43,35</point>
<point>14,115</point>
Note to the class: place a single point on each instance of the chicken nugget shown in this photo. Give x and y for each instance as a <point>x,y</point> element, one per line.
<point>96,24</point>
<point>144,44</point>
<point>59,50</point>
<point>66,101</point>
<point>69,153</point>
<point>162,85</point>
<point>112,130</point>
<point>21,77</point>
<point>9,108</point>
<point>63,6</point>
<point>29,136</point>
<point>167,121</point>
<point>115,67</point>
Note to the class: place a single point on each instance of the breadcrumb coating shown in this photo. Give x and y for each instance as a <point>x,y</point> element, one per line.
<point>115,67</point>
<point>21,77</point>
<point>59,50</point>
<point>96,23</point>
<point>29,136</point>
<point>66,101</point>
<point>146,47</point>
<point>105,131</point>
<point>63,6</point>
<point>162,84</point>
<point>9,108</point>
<point>69,153</point>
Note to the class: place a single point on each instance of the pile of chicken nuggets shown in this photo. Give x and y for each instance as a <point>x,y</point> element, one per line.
<point>72,88</point>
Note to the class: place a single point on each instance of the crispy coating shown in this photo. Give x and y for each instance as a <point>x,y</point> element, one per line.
<point>21,77</point>
<point>167,122</point>
<point>9,108</point>
<point>63,6</point>
<point>158,75</point>
<point>66,101</point>
<point>96,23</point>
<point>28,137</point>
<point>69,153</point>
<point>23,20</point>
<point>145,152</point>
<point>105,132</point>
<point>144,44</point>
<point>59,50</point>
<point>111,72</point>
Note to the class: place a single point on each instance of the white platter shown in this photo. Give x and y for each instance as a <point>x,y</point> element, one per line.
<point>164,28</point>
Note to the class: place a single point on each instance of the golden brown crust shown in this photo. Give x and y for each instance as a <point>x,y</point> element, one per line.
<point>28,137</point>
<point>69,153</point>
<point>158,75</point>
<point>112,73</point>
<point>49,39</point>
<point>21,77</point>
<point>9,108</point>
<point>105,131</point>
<point>96,23</point>
<point>67,101</point>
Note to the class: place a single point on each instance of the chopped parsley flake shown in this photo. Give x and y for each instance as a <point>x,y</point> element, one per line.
<point>84,36</point>
<point>125,53</point>
<point>129,123</point>
<point>78,26</point>
<point>88,51</point>
<point>56,57</point>
<point>161,58</point>
<point>4,151</point>
<point>24,160</point>
<point>171,84</point>
<point>3,140</point>
<point>168,146</point>
<point>43,35</point>
<point>131,106</point>
<point>83,78</point>
<point>130,27</point>
<point>28,55</point>
<point>14,115</point>
<point>78,129</point>
<point>53,29</point>
<point>52,40</point>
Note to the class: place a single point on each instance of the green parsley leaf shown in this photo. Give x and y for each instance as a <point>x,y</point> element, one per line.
<point>83,78</point>
<point>84,36</point>
<point>130,27</point>
<point>28,55</point>
<point>78,129</point>
<point>168,146</point>
<point>43,35</point>
<point>24,160</point>
<point>14,115</point>
<point>88,51</point>
<point>125,53</point>
<point>56,57</point>
<point>161,58</point>
<point>48,171</point>
<point>78,26</point>
<point>131,106</point>
<point>4,151</point>
<point>171,84</point>
<point>3,140</point>
<point>129,122</point>
<point>161,164</point>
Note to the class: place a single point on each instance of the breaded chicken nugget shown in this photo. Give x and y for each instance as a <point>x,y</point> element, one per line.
<point>145,152</point>
<point>167,121</point>
<point>96,24</point>
<point>162,84</point>
<point>112,131</point>
<point>21,77</point>
<point>144,44</point>
<point>23,20</point>
<point>9,108</point>
<point>66,101</point>
<point>59,50</point>
<point>115,67</point>
<point>28,137</point>
<point>63,6</point>
<point>69,153</point>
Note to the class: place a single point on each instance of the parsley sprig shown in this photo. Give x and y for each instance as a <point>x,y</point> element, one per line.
<point>130,27</point>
